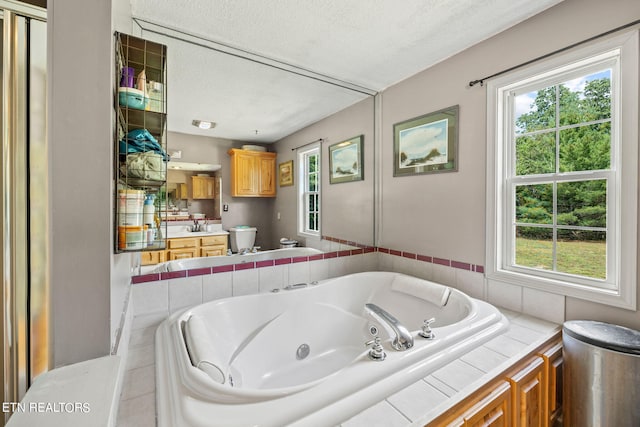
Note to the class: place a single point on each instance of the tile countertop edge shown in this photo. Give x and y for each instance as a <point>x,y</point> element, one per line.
<point>495,374</point>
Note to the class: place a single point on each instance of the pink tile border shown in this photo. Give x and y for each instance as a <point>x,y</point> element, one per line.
<point>222,268</point>
<point>362,249</point>
<point>199,271</point>
<point>244,266</point>
<point>265,263</point>
<point>442,261</point>
<point>173,275</point>
<point>154,277</point>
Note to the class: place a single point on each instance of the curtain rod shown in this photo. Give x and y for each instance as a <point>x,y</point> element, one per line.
<point>320,140</point>
<point>606,33</point>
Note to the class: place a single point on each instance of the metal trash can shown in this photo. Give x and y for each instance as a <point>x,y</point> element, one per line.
<point>286,243</point>
<point>601,381</point>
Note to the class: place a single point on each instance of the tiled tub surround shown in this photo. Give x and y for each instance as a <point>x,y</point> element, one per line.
<point>254,340</point>
<point>155,298</point>
<point>416,405</point>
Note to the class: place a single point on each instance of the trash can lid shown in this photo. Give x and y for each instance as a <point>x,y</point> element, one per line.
<point>605,335</point>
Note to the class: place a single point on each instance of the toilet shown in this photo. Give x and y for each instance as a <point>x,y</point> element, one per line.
<point>242,237</point>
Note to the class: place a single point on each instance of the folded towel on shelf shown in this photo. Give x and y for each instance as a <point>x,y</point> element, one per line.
<point>147,165</point>
<point>140,141</point>
<point>423,289</point>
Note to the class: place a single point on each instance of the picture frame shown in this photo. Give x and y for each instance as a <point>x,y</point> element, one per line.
<point>346,161</point>
<point>426,144</point>
<point>285,173</point>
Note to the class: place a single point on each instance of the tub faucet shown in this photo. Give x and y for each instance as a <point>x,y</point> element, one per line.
<point>401,337</point>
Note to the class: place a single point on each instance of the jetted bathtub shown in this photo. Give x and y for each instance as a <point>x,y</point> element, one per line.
<point>298,357</point>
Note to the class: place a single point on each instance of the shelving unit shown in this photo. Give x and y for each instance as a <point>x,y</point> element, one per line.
<point>140,144</point>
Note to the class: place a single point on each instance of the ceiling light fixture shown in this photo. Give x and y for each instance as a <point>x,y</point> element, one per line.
<point>203,124</point>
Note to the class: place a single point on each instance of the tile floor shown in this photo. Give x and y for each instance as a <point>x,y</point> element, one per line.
<point>441,389</point>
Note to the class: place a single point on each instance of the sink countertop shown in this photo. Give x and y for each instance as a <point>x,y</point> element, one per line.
<point>184,233</point>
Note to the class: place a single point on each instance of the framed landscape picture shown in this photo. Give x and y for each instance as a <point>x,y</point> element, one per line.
<point>426,144</point>
<point>345,161</point>
<point>285,173</point>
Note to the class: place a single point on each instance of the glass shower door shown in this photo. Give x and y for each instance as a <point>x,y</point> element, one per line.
<point>23,206</point>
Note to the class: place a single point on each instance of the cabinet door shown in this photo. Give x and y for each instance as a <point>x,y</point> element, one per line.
<point>183,253</point>
<point>267,176</point>
<point>150,258</point>
<point>554,361</point>
<point>181,191</point>
<point>245,175</point>
<point>493,410</point>
<point>529,395</point>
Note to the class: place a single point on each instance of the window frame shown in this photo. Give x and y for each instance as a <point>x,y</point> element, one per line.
<point>303,194</point>
<point>620,291</point>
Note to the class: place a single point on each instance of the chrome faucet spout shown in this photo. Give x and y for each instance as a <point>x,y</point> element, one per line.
<point>401,337</point>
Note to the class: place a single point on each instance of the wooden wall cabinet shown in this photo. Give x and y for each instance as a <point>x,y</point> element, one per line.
<point>253,173</point>
<point>528,395</point>
<point>203,187</point>
<point>181,191</point>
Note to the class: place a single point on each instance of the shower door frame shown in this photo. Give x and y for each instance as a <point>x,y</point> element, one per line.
<point>23,220</point>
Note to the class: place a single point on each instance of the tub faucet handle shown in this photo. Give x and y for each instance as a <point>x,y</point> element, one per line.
<point>376,352</point>
<point>426,331</point>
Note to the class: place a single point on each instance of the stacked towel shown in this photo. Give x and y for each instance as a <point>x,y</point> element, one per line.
<point>201,349</point>
<point>423,289</point>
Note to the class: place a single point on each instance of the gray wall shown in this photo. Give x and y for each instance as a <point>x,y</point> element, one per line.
<point>347,208</point>
<point>80,136</point>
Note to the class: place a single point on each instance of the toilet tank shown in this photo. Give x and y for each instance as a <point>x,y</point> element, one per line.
<point>242,237</point>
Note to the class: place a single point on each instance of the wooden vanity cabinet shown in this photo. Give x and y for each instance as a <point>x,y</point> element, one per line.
<point>194,247</point>
<point>213,246</point>
<point>527,395</point>
<point>153,257</point>
<point>203,187</point>
<point>253,173</point>
<point>182,248</point>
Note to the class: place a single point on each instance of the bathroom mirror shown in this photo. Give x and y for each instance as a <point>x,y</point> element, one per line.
<point>255,100</point>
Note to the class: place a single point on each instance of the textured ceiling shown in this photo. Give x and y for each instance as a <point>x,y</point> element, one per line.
<point>370,43</point>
